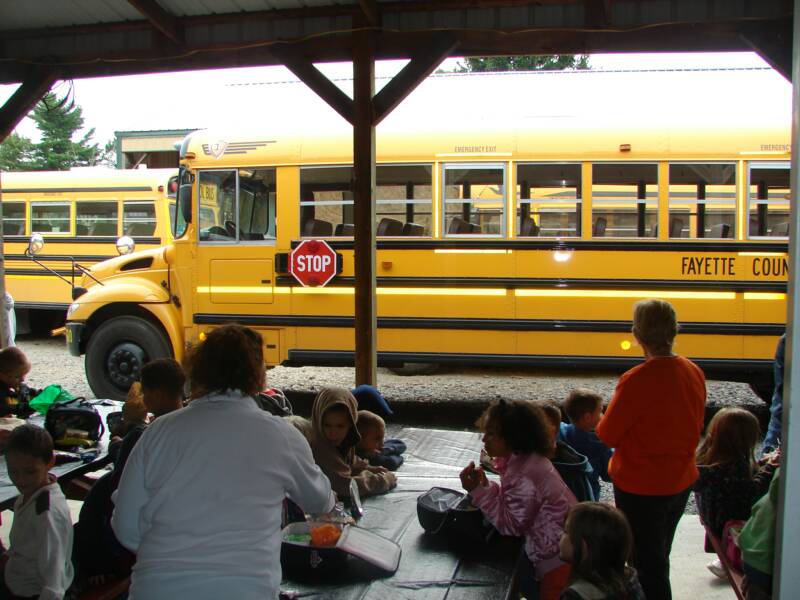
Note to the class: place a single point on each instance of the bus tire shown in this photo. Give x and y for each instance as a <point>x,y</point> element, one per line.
<point>118,350</point>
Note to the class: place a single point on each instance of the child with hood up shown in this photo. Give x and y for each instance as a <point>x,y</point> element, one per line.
<point>334,439</point>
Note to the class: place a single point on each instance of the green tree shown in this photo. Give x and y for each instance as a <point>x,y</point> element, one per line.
<point>58,120</point>
<point>552,62</point>
<point>16,153</point>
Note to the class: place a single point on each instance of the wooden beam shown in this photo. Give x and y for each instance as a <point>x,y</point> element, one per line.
<point>419,67</point>
<point>35,85</point>
<point>371,11</point>
<point>314,79</point>
<point>366,329</point>
<point>773,44</point>
<point>162,20</point>
<point>598,13</point>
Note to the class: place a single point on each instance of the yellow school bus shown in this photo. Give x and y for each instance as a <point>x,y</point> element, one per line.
<point>81,215</point>
<point>503,244</point>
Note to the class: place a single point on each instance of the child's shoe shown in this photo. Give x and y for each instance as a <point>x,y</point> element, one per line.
<point>715,566</point>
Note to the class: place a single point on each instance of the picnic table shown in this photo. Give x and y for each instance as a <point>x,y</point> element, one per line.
<point>430,567</point>
<point>70,470</point>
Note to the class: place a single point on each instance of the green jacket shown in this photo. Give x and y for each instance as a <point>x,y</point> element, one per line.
<point>757,539</point>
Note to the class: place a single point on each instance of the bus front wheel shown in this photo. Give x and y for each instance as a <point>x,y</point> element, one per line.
<point>118,350</point>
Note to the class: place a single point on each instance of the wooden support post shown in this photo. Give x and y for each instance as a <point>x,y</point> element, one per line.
<point>11,113</point>
<point>161,19</point>
<point>773,44</point>
<point>366,331</point>
<point>313,78</point>
<point>36,85</point>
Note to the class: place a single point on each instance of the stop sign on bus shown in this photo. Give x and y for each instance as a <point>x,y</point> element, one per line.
<point>312,263</point>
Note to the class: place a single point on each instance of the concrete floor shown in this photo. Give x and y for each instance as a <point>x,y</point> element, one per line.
<point>690,578</point>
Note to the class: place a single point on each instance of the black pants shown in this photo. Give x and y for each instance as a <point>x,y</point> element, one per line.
<point>653,521</point>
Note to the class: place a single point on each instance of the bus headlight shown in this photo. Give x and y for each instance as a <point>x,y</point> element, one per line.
<point>126,245</point>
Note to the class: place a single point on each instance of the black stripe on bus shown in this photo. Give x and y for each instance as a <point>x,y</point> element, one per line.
<point>482,324</point>
<point>129,188</point>
<point>546,283</point>
<point>737,370</point>
<point>61,257</point>
<point>62,272</point>
<point>700,245</point>
<point>41,305</point>
<point>107,239</point>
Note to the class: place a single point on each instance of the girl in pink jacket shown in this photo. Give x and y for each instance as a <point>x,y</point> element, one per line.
<point>531,499</point>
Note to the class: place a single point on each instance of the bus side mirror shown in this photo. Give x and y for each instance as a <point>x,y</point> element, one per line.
<point>185,201</point>
<point>35,244</point>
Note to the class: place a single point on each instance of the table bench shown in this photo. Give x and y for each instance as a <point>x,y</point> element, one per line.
<point>430,567</point>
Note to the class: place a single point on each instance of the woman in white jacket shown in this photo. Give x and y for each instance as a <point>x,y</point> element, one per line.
<point>200,499</point>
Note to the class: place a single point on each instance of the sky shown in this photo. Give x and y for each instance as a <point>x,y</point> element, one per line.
<point>227,97</point>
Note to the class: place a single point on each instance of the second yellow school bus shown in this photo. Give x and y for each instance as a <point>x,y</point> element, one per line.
<point>80,214</point>
<point>501,245</point>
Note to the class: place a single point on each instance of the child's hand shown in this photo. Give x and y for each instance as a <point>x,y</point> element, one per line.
<point>472,477</point>
<point>377,469</point>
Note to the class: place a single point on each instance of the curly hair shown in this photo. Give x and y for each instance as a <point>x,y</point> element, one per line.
<point>521,424</point>
<point>602,544</point>
<point>231,357</point>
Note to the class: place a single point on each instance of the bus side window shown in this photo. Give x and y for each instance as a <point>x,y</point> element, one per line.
<point>13,218</point>
<point>96,218</point>
<point>50,217</point>
<point>702,200</point>
<point>256,204</point>
<point>625,196</point>
<point>474,199</point>
<point>217,197</point>
<point>139,219</point>
<point>326,201</point>
<point>549,200</point>
<point>768,199</point>
<point>403,200</point>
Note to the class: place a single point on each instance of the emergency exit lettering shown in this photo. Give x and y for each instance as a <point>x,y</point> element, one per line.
<point>708,265</point>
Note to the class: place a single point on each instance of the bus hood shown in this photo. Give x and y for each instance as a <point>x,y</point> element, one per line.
<point>144,260</point>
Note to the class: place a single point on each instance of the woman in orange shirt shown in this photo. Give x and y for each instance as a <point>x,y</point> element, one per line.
<point>654,422</point>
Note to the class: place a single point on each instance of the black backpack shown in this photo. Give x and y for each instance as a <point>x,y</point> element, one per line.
<point>74,423</point>
<point>449,513</point>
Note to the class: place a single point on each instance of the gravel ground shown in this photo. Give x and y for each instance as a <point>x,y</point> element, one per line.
<point>52,364</point>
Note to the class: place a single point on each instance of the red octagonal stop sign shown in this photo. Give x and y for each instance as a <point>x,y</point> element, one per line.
<point>313,263</point>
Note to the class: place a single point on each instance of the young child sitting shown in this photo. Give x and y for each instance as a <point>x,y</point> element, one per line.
<point>40,556</point>
<point>334,439</point>
<point>373,447</point>
<point>573,466</point>
<point>597,542</point>
<point>730,481</point>
<point>584,409</point>
<point>14,393</point>
<point>531,499</point>
<point>98,554</point>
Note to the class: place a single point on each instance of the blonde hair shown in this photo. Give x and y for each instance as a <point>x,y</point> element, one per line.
<point>655,325</point>
<point>368,421</point>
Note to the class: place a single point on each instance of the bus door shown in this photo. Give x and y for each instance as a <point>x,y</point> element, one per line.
<point>236,242</point>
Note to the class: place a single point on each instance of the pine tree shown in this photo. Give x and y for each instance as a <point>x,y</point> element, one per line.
<point>552,62</point>
<point>59,120</point>
<point>16,153</point>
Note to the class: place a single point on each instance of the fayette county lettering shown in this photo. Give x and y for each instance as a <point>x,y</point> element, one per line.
<point>761,266</point>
